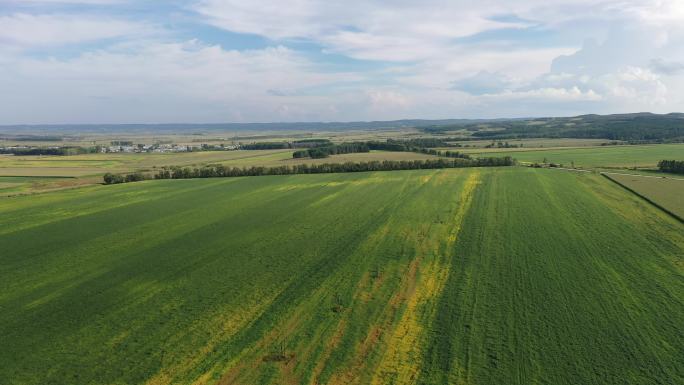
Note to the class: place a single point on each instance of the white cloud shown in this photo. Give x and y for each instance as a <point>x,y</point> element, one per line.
<point>430,59</point>
<point>405,30</point>
<point>87,2</point>
<point>28,30</point>
<point>361,29</point>
<point>159,82</point>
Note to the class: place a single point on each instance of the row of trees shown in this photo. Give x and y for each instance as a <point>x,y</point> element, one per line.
<point>447,154</point>
<point>410,145</point>
<point>503,145</point>
<point>302,143</point>
<point>220,171</point>
<point>110,178</point>
<point>423,142</point>
<point>266,146</point>
<point>215,171</point>
<point>673,166</point>
<point>389,145</point>
<point>308,143</point>
<point>326,151</point>
<point>62,151</point>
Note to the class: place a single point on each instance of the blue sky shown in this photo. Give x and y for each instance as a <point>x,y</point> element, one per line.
<point>152,61</point>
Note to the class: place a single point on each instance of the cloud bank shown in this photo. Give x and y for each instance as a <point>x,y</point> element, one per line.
<point>117,61</point>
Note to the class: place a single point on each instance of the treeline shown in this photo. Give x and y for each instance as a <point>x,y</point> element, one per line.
<point>409,145</point>
<point>220,171</point>
<point>307,143</point>
<point>447,154</point>
<point>425,142</point>
<point>110,178</point>
<point>504,145</point>
<point>266,146</point>
<point>671,166</point>
<point>413,145</point>
<point>32,138</point>
<point>302,143</point>
<point>326,151</point>
<point>61,151</point>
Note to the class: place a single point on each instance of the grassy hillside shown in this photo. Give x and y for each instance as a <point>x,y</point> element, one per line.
<point>446,276</point>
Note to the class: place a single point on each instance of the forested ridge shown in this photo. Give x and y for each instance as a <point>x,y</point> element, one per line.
<point>636,128</point>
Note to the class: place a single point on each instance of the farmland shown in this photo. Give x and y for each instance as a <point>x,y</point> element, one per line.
<point>89,168</point>
<point>97,164</point>
<point>478,276</point>
<point>602,156</point>
<point>666,192</point>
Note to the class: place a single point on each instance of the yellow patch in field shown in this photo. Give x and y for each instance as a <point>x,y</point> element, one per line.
<point>466,198</point>
<point>402,361</point>
<point>426,178</point>
<point>325,199</point>
<point>222,327</point>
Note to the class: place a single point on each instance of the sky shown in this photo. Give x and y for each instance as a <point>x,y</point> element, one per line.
<point>210,61</point>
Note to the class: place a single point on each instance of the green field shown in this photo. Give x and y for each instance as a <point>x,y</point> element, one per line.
<point>11,185</point>
<point>470,276</point>
<point>46,173</point>
<point>666,192</point>
<point>534,143</point>
<point>98,164</point>
<point>602,156</point>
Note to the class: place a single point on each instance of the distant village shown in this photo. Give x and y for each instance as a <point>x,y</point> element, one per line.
<point>115,147</point>
<point>138,148</point>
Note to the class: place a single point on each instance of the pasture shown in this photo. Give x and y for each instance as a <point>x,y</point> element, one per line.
<point>478,276</point>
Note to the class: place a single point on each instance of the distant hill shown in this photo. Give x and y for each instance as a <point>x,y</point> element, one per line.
<point>628,127</point>
<point>643,126</point>
<point>201,127</point>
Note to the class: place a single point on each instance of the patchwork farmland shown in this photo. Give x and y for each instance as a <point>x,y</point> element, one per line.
<point>470,276</point>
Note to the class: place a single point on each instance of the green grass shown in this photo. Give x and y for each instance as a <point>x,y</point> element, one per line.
<point>603,156</point>
<point>666,192</point>
<point>477,276</point>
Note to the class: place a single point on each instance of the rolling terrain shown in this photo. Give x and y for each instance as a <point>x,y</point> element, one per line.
<point>469,276</point>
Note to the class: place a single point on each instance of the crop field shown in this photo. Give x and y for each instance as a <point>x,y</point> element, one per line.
<point>666,192</point>
<point>57,172</point>
<point>533,143</point>
<point>602,156</point>
<point>94,164</point>
<point>97,164</point>
<point>15,185</point>
<point>468,276</point>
